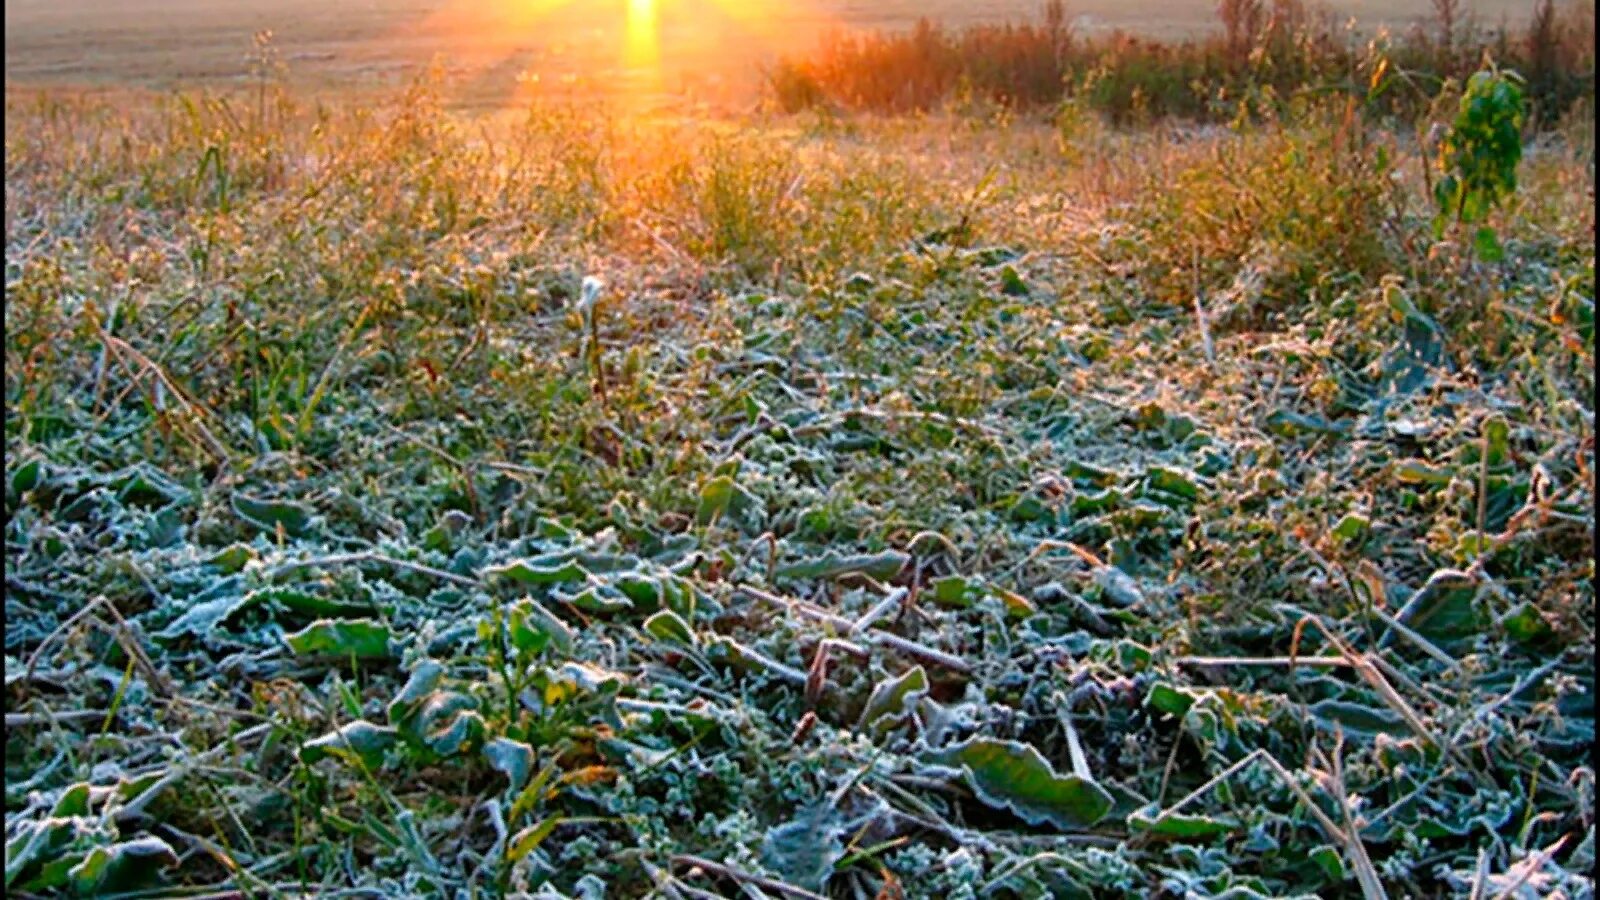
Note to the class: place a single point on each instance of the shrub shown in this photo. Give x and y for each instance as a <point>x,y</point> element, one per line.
<point>1479,156</point>
<point>1279,213</point>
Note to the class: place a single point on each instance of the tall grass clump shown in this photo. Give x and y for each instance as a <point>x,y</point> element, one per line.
<point>1271,219</point>
<point>1557,57</point>
<point>1013,64</point>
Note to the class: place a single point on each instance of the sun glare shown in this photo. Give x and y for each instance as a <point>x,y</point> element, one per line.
<point>567,40</point>
<point>643,27</point>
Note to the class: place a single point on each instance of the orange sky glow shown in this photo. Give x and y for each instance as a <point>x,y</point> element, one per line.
<point>643,34</point>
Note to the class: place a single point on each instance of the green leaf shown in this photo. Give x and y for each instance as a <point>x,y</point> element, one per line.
<point>359,740</point>
<point>1329,860</point>
<point>1287,423</point>
<point>1527,626</point>
<point>1481,152</point>
<point>1028,508</point>
<point>1487,245</point>
<point>123,866</point>
<point>1177,825</point>
<point>953,591</point>
<point>1126,655</point>
<point>1173,481</point>
<point>1472,545</point>
<point>1210,720</point>
<point>1148,515</point>
<point>144,486</point>
<point>958,592</point>
<point>28,476</point>
<point>594,600</point>
<point>678,595</point>
<point>1497,438</point>
<point>442,720</point>
<point>1118,586</point>
<point>1351,527</point>
<point>1089,504</point>
<point>1011,283</point>
<point>881,566</point>
<point>590,678</point>
<point>1079,470</point>
<point>644,590</point>
<point>458,729</point>
<point>532,628</point>
<point>1095,348</point>
<point>1150,417</point>
<point>1442,609</point>
<point>436,539</point>
<point>514,759</point>
<point>1354,717</point>
<point>38,842</point>
<point>892,696</point>
<point>715,497</point>
<point>425,679</point>
<point>361,638</point>
<point>1017,606</point>
<point>536,572</point>
<point>805,850</point>
<point>668,626</point>
<point>1013,776</point>
<point>528,839</point>
<point>1170,699</point>
<point>233,558</point>
<point>205,617</point>
<point>308,603</point>
<point>74,801</point>
<point>269,515</point>
<point>1415,471</point>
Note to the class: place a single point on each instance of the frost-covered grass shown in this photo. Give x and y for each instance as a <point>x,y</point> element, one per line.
<point>924,507</point>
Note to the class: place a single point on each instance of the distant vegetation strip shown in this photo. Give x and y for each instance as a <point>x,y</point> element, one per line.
<point>1262,58</point>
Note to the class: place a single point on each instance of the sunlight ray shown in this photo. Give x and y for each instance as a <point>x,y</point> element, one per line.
<point>540,43</point>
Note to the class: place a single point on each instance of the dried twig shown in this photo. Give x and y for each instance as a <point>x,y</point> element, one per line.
<point>1290,661</point>
<point>75,618</point>
<point>1200,312</point>
<point>1366,873</point>
<point>1529,867</point>
<point>1374,678</point>
<point>879,610</point>
<point>128,639</point>
<point>127,356</point>
<point>817,675</point>
<point>742,876</point>
<point>20,720</point>
<point>1370,889</point>
<point>345,559</point>
<point>135,807</point>
<point>1479,873</point>
<point>911,648</point>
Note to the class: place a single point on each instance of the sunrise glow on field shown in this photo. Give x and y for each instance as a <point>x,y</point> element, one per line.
<point>641,37</point>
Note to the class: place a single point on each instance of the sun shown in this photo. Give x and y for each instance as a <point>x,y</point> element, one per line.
<point>637,41</point>
<point>642,29</point>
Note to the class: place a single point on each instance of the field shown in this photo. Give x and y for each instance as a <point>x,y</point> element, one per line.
<point>1010,500</point>
<point>574,49</point>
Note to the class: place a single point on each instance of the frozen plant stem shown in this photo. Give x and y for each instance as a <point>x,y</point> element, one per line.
<point>589,305</point>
